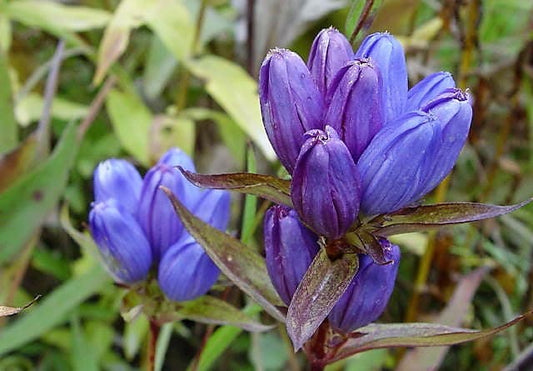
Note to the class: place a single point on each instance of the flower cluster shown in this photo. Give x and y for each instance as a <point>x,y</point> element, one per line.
<point>351,133</point>
<point>356,141</point>
<point>134,225</point>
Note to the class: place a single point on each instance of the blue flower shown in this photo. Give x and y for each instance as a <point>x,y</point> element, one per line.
<point>367,296</point>
<point>403,142</point>
<point>289,248</point>
<point>134,225</point>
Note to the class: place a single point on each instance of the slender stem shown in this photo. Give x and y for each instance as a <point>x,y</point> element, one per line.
<point>152,345</point>
<point>250,55</point>
<point>362,19</point>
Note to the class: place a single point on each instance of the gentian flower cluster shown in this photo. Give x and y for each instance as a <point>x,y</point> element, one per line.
<point>356,141</point>
<point>135,227</point>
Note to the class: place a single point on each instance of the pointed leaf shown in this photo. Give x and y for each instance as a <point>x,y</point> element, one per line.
<point>8,124</point>
<point>265,186</point>
<point>242,265</point>
<point>322,285</point>
<point>420,218</point>
<point>414,335</point>
<point>208,309</point>
<point>9,311</point>
<point>26,203</point>
<point>454,313</point>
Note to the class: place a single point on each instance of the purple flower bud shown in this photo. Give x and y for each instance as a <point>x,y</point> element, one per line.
<point>428,89</point>
<point>186,271</point>
<point>367,295</point>
<point>289,247</point>
<point>393,165</point>
<point>155,213</point>
<point>356,110</point>
<point>325,187</point>
<point>387,54</point>
<point>119,180</point>
<point>290,103</point>
<point>124,248</point>
<point>454,111</point>
<point>329,52</point>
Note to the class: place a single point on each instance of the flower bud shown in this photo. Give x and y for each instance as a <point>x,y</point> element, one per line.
<point>355,111</point>
<point>155,213</point>
<point>290,103</point>
<point>427,89</point>
<point>394,163</point>
<point>325,187</point>
<point>329,52</point>
<point>454,111</point>
<point>289,248</point>
<point>186,271</point>
<point>387,54</point>
<point>367,295</point>
<point>124,248</point>
<point>119,180</point>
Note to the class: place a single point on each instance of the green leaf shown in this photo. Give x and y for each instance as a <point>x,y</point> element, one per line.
<point>242,265</point>
<point>131,121</point>
<point>29,109</point>
<point>60,20</point>
<point>414,335</point>
<point>52,310</point>
<point>26,203</point>
<point>135,333</point>
<point>321,287</point>
<point>169,19</point>
<point>8,124</point>
<point>210,310</point>
<point>82,355</point>
<point>172,22</point>
<point>220,341</point>
<point>265,186</point>
<point>128,15</point>
<point>420,218</point>
<point>171,131</point>
<point>159,66</point>
<point>236,92</point>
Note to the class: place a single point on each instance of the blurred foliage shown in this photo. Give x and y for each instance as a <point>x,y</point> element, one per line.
<point>139,76</point>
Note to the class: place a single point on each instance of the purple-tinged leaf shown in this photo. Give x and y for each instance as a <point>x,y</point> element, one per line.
<point>242,265</point>
<point>368,244</point>
<point>376,336</point>
<point>420,359</point>
<point>318,292</point>
<point>210,310</point>
<point>265,186</point>
<point>420,218</point>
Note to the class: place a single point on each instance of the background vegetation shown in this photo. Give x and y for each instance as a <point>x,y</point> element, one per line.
<point>82,81</point>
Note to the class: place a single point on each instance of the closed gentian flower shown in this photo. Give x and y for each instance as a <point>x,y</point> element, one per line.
<point>289,248</point>
<point>124,248</point>
<point>428,89</point>
<point>387,54</point>
<point>325,187</point>
<point>394,163</point>
<point>367,295</point>
<point>329,53</point>
<point>454,111</point>
<point>355,109</point>
<point>291,103</point>
<point>155,213</point>
<point>119,180</point>
<point>185,271</point>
